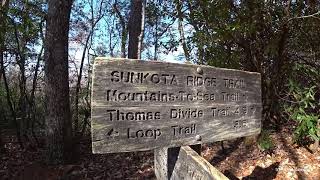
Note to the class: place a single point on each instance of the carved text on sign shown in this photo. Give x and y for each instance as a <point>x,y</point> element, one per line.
<point>140,105</point>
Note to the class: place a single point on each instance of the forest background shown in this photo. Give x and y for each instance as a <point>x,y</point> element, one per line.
<point>47,50</point>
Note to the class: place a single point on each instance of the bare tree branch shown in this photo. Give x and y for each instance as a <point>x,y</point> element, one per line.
<point>307,16</point>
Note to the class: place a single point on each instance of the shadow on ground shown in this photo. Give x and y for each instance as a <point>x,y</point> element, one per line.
<point>268,173</point>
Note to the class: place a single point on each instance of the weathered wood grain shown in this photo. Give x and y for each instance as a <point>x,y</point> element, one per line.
<point>140,105</point>
<point>184,163</point>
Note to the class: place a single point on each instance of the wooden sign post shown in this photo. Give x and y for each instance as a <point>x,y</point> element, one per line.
<point>142,105</point>
<point>183,163</point>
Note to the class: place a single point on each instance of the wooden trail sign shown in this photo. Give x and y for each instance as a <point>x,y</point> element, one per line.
<point>141,105</point>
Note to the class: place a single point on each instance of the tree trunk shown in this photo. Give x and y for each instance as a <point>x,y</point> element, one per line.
<point>156,37</point>
<point>8,96</point>
<point>78,86</point>
<point>181,31</point>
<point>124,31</point>
<point>2,149</point>
<point>318,133</point>
<point>2,116</point>
<point>2,119</point>
<point>4,7</point>
<point>136,28</point>
<point>88,110</point>
<point>33,108</point>
<point>21,62</point>
<point>3,25</point>
<point>58,117</point>
<point>196,27</point>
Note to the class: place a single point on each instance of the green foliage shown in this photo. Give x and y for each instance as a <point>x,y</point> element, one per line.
<point>303,105</point>
<point>264,141</point>
<point>303,110</point>
<point>266,37</point>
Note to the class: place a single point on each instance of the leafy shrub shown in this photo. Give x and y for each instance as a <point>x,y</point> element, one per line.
<point>264,141</point>
<point>303,109</point>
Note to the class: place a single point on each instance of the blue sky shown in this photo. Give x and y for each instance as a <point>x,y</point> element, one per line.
<point>101,37</point>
